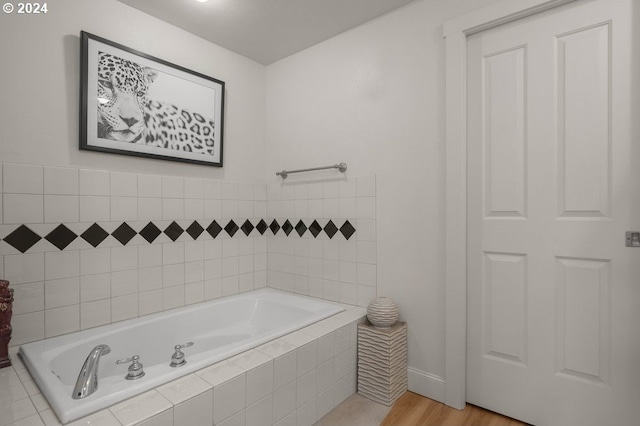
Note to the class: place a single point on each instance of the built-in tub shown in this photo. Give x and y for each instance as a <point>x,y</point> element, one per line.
<point>219,329</point>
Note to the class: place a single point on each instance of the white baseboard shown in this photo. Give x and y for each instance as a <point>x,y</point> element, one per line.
<point>426,384</point>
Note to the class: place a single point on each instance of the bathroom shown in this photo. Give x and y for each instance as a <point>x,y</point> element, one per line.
<point>373,97</point>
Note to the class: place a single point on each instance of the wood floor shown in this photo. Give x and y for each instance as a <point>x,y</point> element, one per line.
<point>414,410</point>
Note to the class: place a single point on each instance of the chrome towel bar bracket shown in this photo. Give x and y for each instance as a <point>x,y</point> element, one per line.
<point>342,167</point>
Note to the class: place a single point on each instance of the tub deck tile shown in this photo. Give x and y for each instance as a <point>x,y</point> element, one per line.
<point>276,348</point>
<point>219,373</point>
<point>184,388</point>
<point>140,408</point>
<point>250,359</point>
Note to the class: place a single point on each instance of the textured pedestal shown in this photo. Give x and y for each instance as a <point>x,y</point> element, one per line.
<point>382,362</point>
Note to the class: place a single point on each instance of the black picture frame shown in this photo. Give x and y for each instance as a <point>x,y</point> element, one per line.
<point>136,104</point>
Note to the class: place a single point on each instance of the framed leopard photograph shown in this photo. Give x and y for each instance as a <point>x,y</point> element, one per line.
<point>135,104</point>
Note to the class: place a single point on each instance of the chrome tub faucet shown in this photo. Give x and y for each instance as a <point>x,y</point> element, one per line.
<point>87,382</point>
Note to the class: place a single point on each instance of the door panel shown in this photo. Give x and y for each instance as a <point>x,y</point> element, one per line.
<point>550,184</point>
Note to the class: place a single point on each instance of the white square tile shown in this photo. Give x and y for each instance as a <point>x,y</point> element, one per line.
<point>326,375</point>
<point>230,209</point>
<point>230,266</point>
<point>28,297</point>
<point>306,387</point>
<point>230,285</point>
<point>197,411</point>
<point>185,388</point>
<point>212,189</point>
<point>64,264</point>
<point>212,288</point>
<point>194,272</point>
<point>150,278</point>
<point>259,209</point>
<point>229,398</point>
<point>259,382</point>
<point>230,247</point>
<point>245,191</point>
<point>12,393</point>
<point>348,188</point>
<point>212,269</point>
<point>149,302</point>
<point>62,292</point>
<point>139,408</point>
<point>61,181</point>
<point>172,297</point>
<point>365,294</point>
<point>124,258</point>
<point>331,189</point>
<point>16,411</point>
<point>95,261</point>
<point>172,209</point>
<point>366,208</point>
<point>94,314</point>
<point>245,209</point>
<point>260,413</point>
<point>124,209</point>
<point>149,209</point>
<point>220,373</point>
<point>124,283</point>
<point>367,252</point>
<point>149,186</point>
<point>23,208</point>
<point>95,287</point>
<point>285,367</point>
<point>173,253</point>
<point>124,184</point>
<point>33,420</point>
<point>101,418</point>
<point>173,275</point>
<point>260,192</point>
<point>193,250</point>
<point>193,209</point>
<point>27,327</point>
<point>193,293</point>
<point>367,274</point>
<point>61,208</point>
<point>348,293</point>
<point>229,190</point>
<point>348,272</point>
<point>124,307</point>
<point>284,401</point>
<point>193,188</point>
<point>213,249</point>
<point>62,320</point>
<point>49,418</point>
<point>94,209</point>
<point>325,402</point>
<point>326,347</point>
<point>163,419</point>
<point>316,287</point>
<point>149,255</point>
<point>307,414</point>
<point>94,182</point>
<point>307,358</point>
<point>238,419</point>
<point>212,208</point>
<point>23,179</point>
<point>172,187</point>
<point>24,268</point>
<point>348,207</point>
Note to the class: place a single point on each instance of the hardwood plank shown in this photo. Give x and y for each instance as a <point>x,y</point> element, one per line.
<point>415,410</point>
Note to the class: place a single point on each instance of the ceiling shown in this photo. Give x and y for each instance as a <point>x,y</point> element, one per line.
<point>266,30</point>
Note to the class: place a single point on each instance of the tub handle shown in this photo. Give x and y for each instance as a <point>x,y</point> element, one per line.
<point>177,359</point>
<point>135,369</point>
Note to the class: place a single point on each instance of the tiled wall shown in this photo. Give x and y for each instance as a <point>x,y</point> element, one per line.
<point>84,248</point>
<point>333,265</point>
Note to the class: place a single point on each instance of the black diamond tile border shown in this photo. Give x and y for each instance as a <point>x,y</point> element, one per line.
<point>23,238</point>
<point>124,233</point>
<point>94,235</point>
<point>150,232</point>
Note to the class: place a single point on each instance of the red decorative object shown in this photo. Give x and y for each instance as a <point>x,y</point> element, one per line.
<point>6,310</point>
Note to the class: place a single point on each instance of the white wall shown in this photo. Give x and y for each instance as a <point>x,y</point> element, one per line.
<point>374,98</point>
<point>39,88</point>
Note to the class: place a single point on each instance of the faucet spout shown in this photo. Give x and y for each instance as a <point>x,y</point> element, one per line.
<point>87,382</point>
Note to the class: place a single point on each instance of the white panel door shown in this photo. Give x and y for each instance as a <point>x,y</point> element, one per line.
<point>553,293</point>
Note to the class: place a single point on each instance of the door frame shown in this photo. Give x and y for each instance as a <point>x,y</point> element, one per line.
<point>455,32</point>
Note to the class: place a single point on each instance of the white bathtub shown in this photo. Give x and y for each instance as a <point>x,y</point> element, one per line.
<point>219,329</point>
